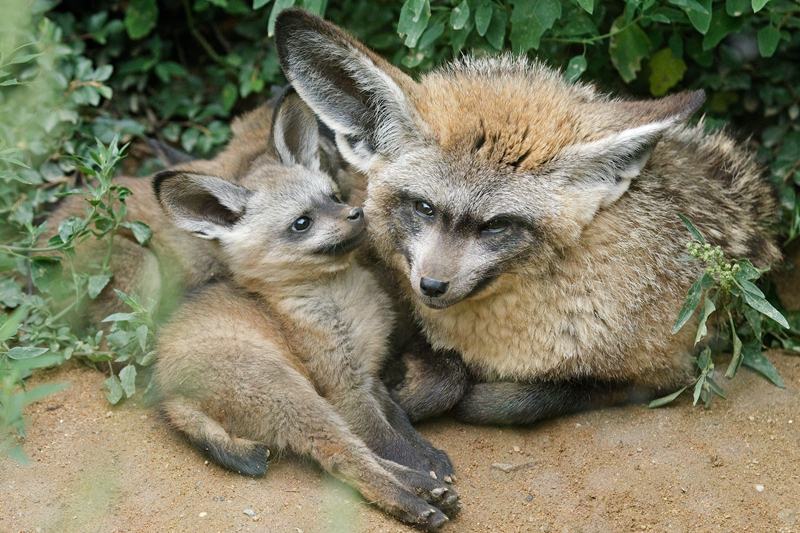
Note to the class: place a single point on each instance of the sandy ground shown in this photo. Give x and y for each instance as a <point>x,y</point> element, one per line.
<point>734,467</point>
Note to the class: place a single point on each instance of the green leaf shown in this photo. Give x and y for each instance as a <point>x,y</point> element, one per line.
<point>459,15</point>
<point>11,323</point>
<point>26,352</point>
<point>277,7</point>
<point>127,378</point>
<point>141,231</point>
<point>140,18</point>
<point>754,319</point>
<point>768,39</point>
<point>530,20</point>
<point>666,71</point>
<point>141,336</point>
<point>700,18</point>
<point>758,5</point>
<point>692,229</point>
<point>120,317</point>
<point>114,391</point>
<point>431,34</point>
<point>736,8</point>
<point>715,388</point>
<point>96,284</point>
<point>627,47</point>
<point>664,400</point>
<point>756,360</point>
<point>586,5</point>
<point>483,17</point>
<point>576,66</point>
<point>702,329</point>
<point>698,388</point>
<point>258,4</point>
<point>760,304</point>
<point>414,17</point>
<point>691,302</point>
<point>721,26</point>
<point>747,271</point>
<point>736,356</point>
<point>42,391</point>
<point>496,34</point>
<point>69,227</point>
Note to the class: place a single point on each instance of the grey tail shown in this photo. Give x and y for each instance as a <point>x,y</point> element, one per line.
<point>252,462</point>
<point>511,403</point>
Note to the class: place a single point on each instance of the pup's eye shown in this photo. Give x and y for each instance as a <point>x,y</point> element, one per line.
<point>496,225</point>
<point>424,208</point>
<point>301,224</point>
<point>335,197</point>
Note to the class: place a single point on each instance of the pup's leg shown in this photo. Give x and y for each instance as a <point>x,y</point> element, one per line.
<point>307,424</point>
<point>506,402</point>
<point>437,460</point>
<point>240,455</point>
<point>425,382</point>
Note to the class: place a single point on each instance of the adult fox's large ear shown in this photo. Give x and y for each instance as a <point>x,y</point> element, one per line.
<point>605,168</point>
<point>358,95</point>
<point>207,206</point>
<point>295,132</point>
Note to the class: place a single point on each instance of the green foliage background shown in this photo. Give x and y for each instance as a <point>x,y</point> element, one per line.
<point>75,72</point>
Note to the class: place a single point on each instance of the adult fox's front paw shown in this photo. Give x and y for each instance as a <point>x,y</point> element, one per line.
<point>432,383</point>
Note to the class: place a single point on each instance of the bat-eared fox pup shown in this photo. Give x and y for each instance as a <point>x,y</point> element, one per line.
<point>286,354</point>
<point>532,223</point>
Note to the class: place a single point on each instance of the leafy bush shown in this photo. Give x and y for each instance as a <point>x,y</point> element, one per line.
<point>76,73</point>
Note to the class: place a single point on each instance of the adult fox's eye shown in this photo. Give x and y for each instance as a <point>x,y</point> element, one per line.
<point>496,225</point>
<point>335,197</point>
<point>424,208</point>
<point>301,224</point>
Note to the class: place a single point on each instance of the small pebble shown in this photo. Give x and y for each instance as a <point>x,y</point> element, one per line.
<point>505,467</point>
<point>108,414</point>
<point>203,514</point>
<point>249,512</point>
<point>759,488</point>
<point>516,448</point>
<point>751,418</point>
<point>638,449</point>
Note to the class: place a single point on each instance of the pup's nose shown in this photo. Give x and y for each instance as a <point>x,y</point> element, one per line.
<point>355,214</point>
<point>433,287</point>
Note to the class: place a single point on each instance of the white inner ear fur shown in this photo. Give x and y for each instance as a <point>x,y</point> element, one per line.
<point>231,196</point>
<point>608,165</point>
<point>382,112</point>
<point>201,228</point>
<point>296,137</point>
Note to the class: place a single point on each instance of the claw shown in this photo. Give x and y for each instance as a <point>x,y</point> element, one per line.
<point>433,474</point>
<point>438,491</point>
<point>448,479</point>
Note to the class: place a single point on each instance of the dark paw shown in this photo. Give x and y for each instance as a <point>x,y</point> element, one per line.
<point>431,519</point>
<point>252,461</point>
<point>432,490</point>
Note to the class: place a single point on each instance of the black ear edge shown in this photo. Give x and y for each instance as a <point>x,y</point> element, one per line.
<point>285,93</point>
<point>295,19</point>
<point>160,178</point>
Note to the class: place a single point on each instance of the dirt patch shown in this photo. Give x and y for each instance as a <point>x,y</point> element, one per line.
<point>731,468</point>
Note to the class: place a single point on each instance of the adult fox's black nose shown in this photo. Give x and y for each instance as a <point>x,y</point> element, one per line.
<point>433,287</point>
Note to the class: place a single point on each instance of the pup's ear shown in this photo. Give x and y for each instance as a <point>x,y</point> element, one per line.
<point>207,206</point>
<point>295,133</point>
<point>607,166</point>
<point>358,95</point>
